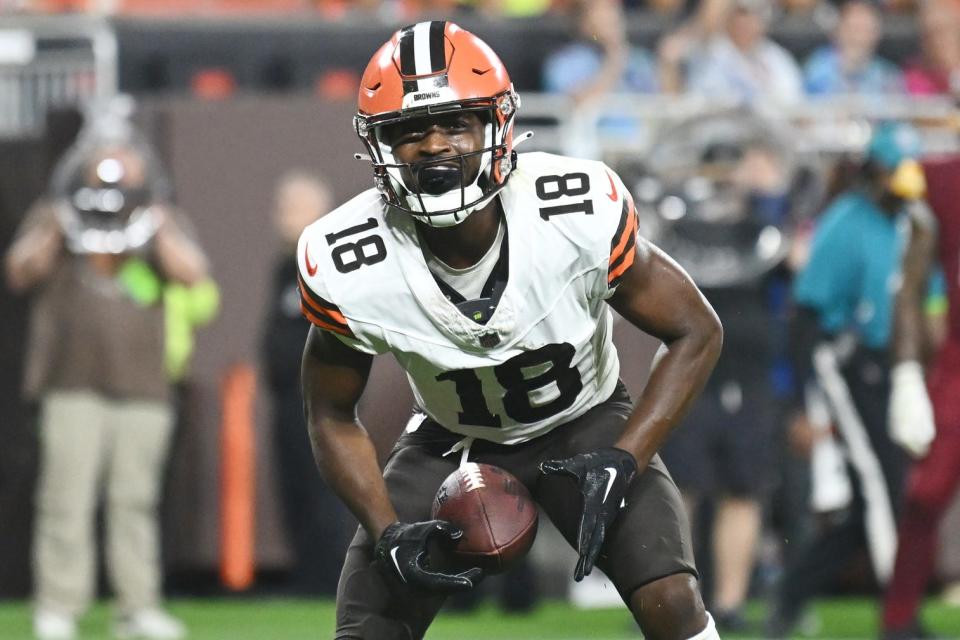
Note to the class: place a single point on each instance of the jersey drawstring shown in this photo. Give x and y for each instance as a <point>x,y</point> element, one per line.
<point>463,446</point>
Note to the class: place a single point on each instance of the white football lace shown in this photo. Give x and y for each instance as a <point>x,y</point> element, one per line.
<point>472,476</point>
<point>463,446</point>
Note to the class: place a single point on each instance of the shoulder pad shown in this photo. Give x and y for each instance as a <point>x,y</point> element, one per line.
<point>318,257</point>
<point>586,201</point>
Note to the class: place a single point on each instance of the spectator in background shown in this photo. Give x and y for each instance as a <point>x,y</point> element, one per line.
<point>810,9</point>
<point>849,65</point>
<point>937,70</point>
<point>598,63</point>
<point>841,332</point>
<point>724,52</point>
<point>96,364</point>
<point>600,60</point>
<point>722,452</point>
<point>661,8</point>
<point>312,512</point>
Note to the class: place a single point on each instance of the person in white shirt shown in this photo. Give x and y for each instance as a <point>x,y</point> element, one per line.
<point>724,52</point>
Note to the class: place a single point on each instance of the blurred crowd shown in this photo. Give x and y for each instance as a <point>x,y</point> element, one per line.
<point>712,47</point>
<point>723,49</point>
<point>415,8</point>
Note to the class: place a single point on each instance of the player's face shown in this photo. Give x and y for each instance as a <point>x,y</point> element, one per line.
<point>426,142</point>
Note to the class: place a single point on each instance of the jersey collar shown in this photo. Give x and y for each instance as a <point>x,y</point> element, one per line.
<point>500,328</point>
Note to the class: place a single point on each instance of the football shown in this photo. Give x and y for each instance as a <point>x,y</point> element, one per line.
<point>495,511</point>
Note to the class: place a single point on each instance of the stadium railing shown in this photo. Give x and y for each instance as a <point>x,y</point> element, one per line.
<point>630,124</point>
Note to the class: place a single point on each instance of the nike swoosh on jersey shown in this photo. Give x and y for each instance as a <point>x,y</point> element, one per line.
<point>613,476</point>
<point>613,188</point>
<point>393,556</point>
<point>311,268</point>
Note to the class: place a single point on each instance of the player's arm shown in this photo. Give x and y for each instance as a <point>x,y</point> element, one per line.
<point>909,335</point>
<point>911,414</point>
<point>334,377</point>
<point>659,298</point>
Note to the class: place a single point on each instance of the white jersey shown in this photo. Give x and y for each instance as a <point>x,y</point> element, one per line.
<point>543,358</point>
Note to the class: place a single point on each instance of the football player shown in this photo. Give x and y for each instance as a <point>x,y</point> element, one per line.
<point>490,277</point>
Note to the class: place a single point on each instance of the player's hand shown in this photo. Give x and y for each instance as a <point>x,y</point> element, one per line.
<point>911,414</point>
<point>603,477</point>
<point>402,551</point>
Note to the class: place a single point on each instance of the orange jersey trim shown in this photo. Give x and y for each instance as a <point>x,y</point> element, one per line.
<point>319,305</point>
<point>320,312</point>
<point>624,242</point>
<point>322,323</point>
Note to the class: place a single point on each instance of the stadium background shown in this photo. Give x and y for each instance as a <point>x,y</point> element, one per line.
<point>233,94</point>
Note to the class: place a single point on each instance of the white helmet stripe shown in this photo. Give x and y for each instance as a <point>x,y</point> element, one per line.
<point>421,48</point>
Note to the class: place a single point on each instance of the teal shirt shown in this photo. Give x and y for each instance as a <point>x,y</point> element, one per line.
<point>854,264</point>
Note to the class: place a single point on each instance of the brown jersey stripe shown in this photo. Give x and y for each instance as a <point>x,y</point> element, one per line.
<point>627,249</point>
<point>623,231</point>
<point>333,317</point>
<point>316,302</point>
<point>308,314</point>
<point>625,255</point>
<point>319,305</point>
<point>618,236</point>
<point>626,234</point>
<point>320,302</point>
<point>614,276</point>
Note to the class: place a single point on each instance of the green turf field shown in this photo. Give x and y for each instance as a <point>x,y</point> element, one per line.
<point>252,619</point>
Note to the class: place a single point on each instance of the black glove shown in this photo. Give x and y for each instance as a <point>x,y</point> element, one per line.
<point>603,477</point>
<point>402,549</point>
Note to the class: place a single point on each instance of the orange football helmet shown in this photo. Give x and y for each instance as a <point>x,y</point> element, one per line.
<point>434,68</point>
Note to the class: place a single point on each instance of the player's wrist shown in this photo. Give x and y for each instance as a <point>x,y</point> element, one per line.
<point>626,459</point>
<point>388,542</point>
<point>388,531</point>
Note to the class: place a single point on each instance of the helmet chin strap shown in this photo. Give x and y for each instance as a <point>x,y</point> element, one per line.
<point>453,219</point>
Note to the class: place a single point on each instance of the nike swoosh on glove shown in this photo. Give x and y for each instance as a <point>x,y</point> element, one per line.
<point>401,552</point>
<point>603,477</point>
<point>911,414</point>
